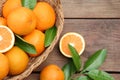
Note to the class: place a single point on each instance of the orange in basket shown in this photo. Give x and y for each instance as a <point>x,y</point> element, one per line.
<point>37,39</point>
<point>45,16</point>
<point>75,39</point>
<point>4,66</point>
<point>22,21</point>
<point>7,39</point>
<point>18,60</point>
<point>10,5</point>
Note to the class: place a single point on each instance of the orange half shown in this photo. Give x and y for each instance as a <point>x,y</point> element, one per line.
<point>7,39</point>
<point>75,39</point>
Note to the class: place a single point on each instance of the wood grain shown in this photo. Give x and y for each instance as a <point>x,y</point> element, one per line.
<point>98,34</point>
<point>91,8</point>
<point>35,76</point>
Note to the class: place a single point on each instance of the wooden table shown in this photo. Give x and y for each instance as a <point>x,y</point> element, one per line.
<point>98,21</point>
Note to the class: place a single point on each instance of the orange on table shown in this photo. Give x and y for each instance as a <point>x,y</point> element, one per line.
<point>10,5</point>
<point>3,21</point>
<point>51,72</point>
<point>45,15</point>
<point>18,60</point>
<point>4,66</point>
<point>7,39</point>
<point>36,38</point>
<point>75,39</point>
<point>22,21</point>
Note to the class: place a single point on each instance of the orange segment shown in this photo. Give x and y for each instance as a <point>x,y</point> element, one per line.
<point>6,39</point>
<point>75,39</point>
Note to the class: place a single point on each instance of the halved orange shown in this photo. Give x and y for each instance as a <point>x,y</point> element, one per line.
<point>7,39</point>
<point>75,39</point>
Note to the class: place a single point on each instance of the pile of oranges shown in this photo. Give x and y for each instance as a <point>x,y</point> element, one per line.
<point>27,23</point>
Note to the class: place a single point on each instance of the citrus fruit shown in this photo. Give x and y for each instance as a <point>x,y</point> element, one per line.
<point>4,66</point>
<point>10,5</point>
<point>7,39</point>
<point>75,39</point>
<point>45,15</point>
<point>51,72</point>
<point>18,60</point>
<point>3,21</point>
<point>22,21</point>
<point>36,38</point>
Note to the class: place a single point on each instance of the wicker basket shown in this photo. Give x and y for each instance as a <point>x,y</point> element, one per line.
<point>35,62</point>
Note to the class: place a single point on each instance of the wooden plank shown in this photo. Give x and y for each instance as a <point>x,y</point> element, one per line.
<point>35,76</point>
<point>91,8</point>
<point>98,34</point>
<point>116,76</point>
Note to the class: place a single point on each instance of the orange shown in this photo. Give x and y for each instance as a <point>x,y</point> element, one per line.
<point>4,66</point>
<point>45,15</point>
<point>37,39</point>
<point>7,39</point>
<point>75,39</point>
<point>18,60</point>
<point>22,21</point>
<point>10,5</point>
<point>3,21</point>
<point>51,72</point>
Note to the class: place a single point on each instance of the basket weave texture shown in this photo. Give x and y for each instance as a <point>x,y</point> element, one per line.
<point>35,62</point>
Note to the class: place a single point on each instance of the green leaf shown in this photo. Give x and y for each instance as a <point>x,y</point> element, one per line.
<point>99,75</point>
<point>83,78</point>
<point>29,48</point>
<point>50,35</point>
<point>29,3</point>
<point>69,69</point>
<point>95,61</point>
<point>75,57</point>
